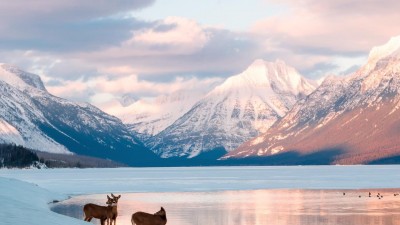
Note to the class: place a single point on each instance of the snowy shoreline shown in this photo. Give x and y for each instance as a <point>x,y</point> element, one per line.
<point>26,203</point>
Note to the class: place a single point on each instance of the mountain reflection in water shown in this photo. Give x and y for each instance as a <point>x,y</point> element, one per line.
<point>256,207</point>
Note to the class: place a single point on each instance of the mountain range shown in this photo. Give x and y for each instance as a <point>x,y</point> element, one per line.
<point>240,108</point>
<point>267,114</point>
<point>31,117</point>
<point>346,120</point>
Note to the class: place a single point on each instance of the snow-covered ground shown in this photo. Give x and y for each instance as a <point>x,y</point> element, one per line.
<point>27,202</point>
<point>23,203</point>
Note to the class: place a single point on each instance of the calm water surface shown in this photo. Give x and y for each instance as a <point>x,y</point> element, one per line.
<point>256,207</point>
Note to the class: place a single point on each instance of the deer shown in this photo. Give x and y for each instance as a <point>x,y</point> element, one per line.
<point>114,211</point>
<point>103,213</point>
<point>142,218</point>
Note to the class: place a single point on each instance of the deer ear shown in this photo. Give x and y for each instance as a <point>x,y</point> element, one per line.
<point>108,197</point>
<point>112,195</point>
<point>162,209</point>
<point>119,196</point>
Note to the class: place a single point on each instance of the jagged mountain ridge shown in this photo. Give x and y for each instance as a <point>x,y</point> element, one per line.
<point>159,113</point>
<point>234,111</point>
<point>33,118</point>
<point>346,120</point>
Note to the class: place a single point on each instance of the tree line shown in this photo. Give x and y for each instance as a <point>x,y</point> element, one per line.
<point>12,156</point>
<point>16,156</point>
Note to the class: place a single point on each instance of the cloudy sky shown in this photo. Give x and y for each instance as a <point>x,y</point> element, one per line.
<point>99,50</point>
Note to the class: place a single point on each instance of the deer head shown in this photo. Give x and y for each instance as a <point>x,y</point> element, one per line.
<point>110,201</point>
<point>161,212</point>
<point>115,198</point>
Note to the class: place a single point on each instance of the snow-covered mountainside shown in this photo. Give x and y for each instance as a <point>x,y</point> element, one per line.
<point>149,117</point>
<point>33,118</point>
<point>235,111</point>
<point>347,120</point>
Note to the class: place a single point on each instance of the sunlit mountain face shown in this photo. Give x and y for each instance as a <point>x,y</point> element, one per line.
<point>240,108</point>
<point>346,120</point>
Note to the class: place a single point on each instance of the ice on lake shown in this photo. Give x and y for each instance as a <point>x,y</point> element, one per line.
<point>91,181</point>
<point>232,195</point>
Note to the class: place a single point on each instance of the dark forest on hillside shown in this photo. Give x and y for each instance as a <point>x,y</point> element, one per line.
<point>75,161</point>
<point>16,156</point>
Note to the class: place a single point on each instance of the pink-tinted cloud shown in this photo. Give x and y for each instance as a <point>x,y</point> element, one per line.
<point>95,51</point>
<point>131,84</point>
<point>102,89</point>
<point>178,46</point>
<point>341,27</point>
<point>180,36</point>
<point>76,89</point>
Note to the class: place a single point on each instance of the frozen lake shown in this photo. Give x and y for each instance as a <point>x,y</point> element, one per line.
<point>232,195</point>
<point>198,179</point>
<point>253,207</point>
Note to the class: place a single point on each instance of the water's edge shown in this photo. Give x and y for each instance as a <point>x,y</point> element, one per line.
<point>249,207</point>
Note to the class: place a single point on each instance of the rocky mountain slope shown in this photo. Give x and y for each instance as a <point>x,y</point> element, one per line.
<point>233,112</point>
<point>147,118</point>
<point>33,118</point>
<point>347,120</point>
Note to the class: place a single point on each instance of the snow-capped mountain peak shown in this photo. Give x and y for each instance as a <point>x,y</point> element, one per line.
<point>379,52</point>
<point>240,108</point>
<point>349,119</point>
<point>19,78</point>
<point>390,50</point>
<point>383,61</point>
<point>271,76</point>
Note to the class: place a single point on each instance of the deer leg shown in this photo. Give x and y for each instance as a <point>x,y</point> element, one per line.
<point>89,219</point>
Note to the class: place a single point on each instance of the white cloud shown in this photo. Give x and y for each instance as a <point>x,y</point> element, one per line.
<point>104,91</point>
<point>180,36</point>
<point>89,53</point>
<point>341,27</point>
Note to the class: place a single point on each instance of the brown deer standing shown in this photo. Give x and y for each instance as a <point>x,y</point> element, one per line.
<point>114,210</point>
<point>142,218</point>
<point>96,211</point>
<point>102,212</point>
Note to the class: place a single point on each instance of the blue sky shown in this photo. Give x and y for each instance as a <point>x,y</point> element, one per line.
<point>235,15</point>
<point>98,51</point>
